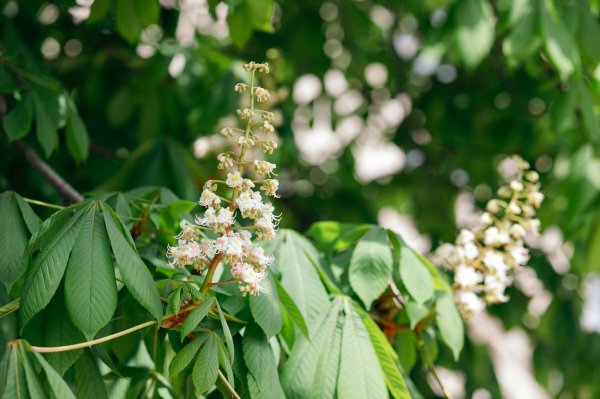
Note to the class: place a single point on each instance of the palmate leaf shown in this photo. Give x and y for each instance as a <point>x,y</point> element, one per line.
<point>266,309</point>
<point>186,355</point>
<point>298,374</point>
<point>449,322</point>
<point>415,276</point>
<point>90,285</point>
<point>388,359</point>
<point>260,361</point>
<point>195,317</point>
<point>298,276</point>
<point>48,267</point>
<point>292,309</point>
<point>370,270</point>
<point>135,274</point>
<point>360,376</point>
<point>205,371</point>
<point>88,380</point>
<point>18,222</point>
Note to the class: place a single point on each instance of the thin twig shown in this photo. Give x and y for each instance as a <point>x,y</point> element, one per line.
<point>50,349</point>
<point>232,391</point>
<point>431,367</point>
<point>42,203</point>
<point>66,191</point>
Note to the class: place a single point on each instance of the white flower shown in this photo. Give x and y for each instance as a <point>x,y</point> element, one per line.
<point>225,217</point>
<point>465,236</point>
<point>209,219</point>
<point>494,289</point>
<point>467,277</point>
<point>446,255</point>
<point>262,95</point>
<point>234,180</point>
<point>185,253</point>
<point>270,187</point>
<point>513,209</point>
<point>486,219</point>
<point>232,246</point>
<point>263,168</point>
<point>495,262</point>
<point>470,251</point>
<point>468,303</point>
<point>225,161</point>
<point>516,185</point>
<point>188,232</point>
<point>208,198</point>
<point>520,255</point>
<point>240,87</point>
<point>535,199</point>
<point>267,127</point>
<point>494,236</point>
<point>517,231</point>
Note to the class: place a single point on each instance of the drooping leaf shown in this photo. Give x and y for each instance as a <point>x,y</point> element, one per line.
<point>360,374</point>
<point>90,288</point>
<point>47,268</point>
<point>59,330</point>
<point>134,272</point>
<point>588,116</point>
<point>525,37</point>
<point>370,270</point>
<point>226,333</point>
<point>328,364</point>
<point>449,323</point>
<point>474,30</point>
<point>298,276</point>
<point>195,317</point>
<point>298,374</point>
<point>88,380</point>
<point>45,128</point>
<point>205,372</point>
<point>415,276</point>
<point>266,309</point>
<point>10,307</point>
<point>558,41</point>
<point>78,141</point>
<point>388,359</point>
<point>59,387</point>
<point>260,360</point>
<point>33,384</point>
<point>186,355</point>
<point>292,309</point>
<point>14,235</point>
<point>17,123</point>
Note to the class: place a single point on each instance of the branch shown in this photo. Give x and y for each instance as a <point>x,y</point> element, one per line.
<point>69,194</point>
<point>228,386</point>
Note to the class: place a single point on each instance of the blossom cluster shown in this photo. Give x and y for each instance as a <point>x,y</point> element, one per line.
<point>236,211</point>
<point>483,260</point>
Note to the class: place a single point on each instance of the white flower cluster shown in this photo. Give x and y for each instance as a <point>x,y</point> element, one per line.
<point>233,244</point>
<point>484,259</point>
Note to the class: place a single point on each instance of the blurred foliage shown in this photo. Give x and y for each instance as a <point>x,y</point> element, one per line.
<point>118,100</point>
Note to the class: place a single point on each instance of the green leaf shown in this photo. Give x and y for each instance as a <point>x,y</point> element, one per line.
<point>47,268</point>
<point>260,13</point>
<point>449,323</point>
<point>225,361</point>
<point>186,354</point>
<point>13,381</point>
<point>195,317</point>
<point>13,238</point>
<point>17,122</point>
<point>387,357</point>
<point>205,372</point>
<point>474,30</point>
<point>128,21</point>
<point>148,11</point>
<point>370,270</point>
<point>45,128</point>
<point>88,380</point>
<point>77,137</point>
<point>99,10</point>
<point>32,221</point>
<point>33,384</point>
<point>415,312</point>
<point>524,39</point>
<point>181,207</point>
<point>10,307</point>
<point>588,116</point>
<point>226,333</point>
<point>266,309</point>
<point>134,272</point>
<point>298,276</point>
<point>60,331</point>
<point>292,309</point>
<point>360,374</point>
<point>260,360</point>
<point>298,374</point>
<point>415,276</point>
<point>239,28</point>
<point>58,386</point>
<point>328,364</point>
<point>90,287</point>
<point>559,43</point>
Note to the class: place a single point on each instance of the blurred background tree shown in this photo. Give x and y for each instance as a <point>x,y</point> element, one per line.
<point>389,111</point>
